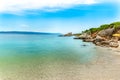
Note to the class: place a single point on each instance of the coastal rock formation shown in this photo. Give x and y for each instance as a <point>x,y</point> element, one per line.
<point>68,34</point>
<point>98,40</point>
<point>65,35</point>
<point>88,40</point>
<point>106,43</point>
<point>105,35</point>
<point>84,36</point>
<point>106,32</point>
<point>114,44</point>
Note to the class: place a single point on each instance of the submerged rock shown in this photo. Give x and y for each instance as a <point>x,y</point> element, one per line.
<point>84,45</point>
<point>76,38</point>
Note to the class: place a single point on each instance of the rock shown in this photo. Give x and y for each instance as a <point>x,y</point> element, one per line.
<point>68,34</point>
<point>65,35</point>
<point>98,39</point>
<point>106,32</point>
<point>105,43</point>
<point>76,38</point>
<point>101,41</point>
<point>84,36</point>
<point>98,43</point>
<point>88,40</point>
<point>114,39</point>
<point>84,45</point>
<point>114,44</point>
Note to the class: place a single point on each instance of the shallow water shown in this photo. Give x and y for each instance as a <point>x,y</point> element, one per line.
<point>42,57</point>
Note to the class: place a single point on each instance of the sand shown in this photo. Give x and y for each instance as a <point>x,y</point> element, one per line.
<point>105,67</point>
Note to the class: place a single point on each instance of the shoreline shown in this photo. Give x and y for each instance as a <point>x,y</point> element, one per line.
<point>104,66</point>
<point>116,50</point>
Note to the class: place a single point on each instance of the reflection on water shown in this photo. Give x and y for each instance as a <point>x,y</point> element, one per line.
<point>42,57</point>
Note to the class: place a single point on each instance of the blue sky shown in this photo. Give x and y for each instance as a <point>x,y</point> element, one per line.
<point>57,16</point>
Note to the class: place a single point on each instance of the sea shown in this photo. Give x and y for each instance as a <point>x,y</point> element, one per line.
<point>42,56</point>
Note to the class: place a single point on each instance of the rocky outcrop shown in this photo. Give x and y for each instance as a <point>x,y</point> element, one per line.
<point>98,40</point>
<point>114,44</point>
<point>83,36</point>
<point>106,32</point>
<point>105,35</point>
<point>68,34</point>
<point>88,40</point>
<point>65,35</point>
<point>106,42</point>
<point>101,38</point>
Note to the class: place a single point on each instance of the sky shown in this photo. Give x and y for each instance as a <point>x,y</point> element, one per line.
<point>57,16</point>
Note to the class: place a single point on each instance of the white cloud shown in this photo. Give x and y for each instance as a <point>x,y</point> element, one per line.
<point>16,6</point>
<point>108,1</point>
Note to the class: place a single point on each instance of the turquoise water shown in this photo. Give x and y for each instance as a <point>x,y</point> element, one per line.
<point>30,55</point>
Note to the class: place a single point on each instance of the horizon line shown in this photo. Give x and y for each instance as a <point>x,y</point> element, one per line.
<point>29,32</point>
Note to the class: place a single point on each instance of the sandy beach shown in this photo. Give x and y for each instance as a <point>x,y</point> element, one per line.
<point>105,67</point>
<point>116,50</point>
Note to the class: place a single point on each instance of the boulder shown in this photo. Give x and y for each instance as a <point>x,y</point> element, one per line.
<point>106,32</point>
<point>98,39</point>
<point>98,43</point>
<point>114,44</point>
<point>85,36</point>
<point>105,43</point>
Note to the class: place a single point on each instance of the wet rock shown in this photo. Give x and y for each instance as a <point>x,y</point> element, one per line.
<point>105,42</point>
<point>76,38</point>
<point>84,45</point>
<point>98,43</point>
<point>88,40</point>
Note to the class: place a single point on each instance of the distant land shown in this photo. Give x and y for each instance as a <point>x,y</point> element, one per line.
<point>27,32</point>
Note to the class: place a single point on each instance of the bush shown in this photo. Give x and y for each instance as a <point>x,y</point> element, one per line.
<point>115,25</point>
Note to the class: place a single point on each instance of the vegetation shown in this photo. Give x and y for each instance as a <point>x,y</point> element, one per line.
<point>115,25</point>
<point>77,34</point>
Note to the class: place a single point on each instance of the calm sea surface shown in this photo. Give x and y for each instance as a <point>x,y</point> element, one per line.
<point>32,57</point>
